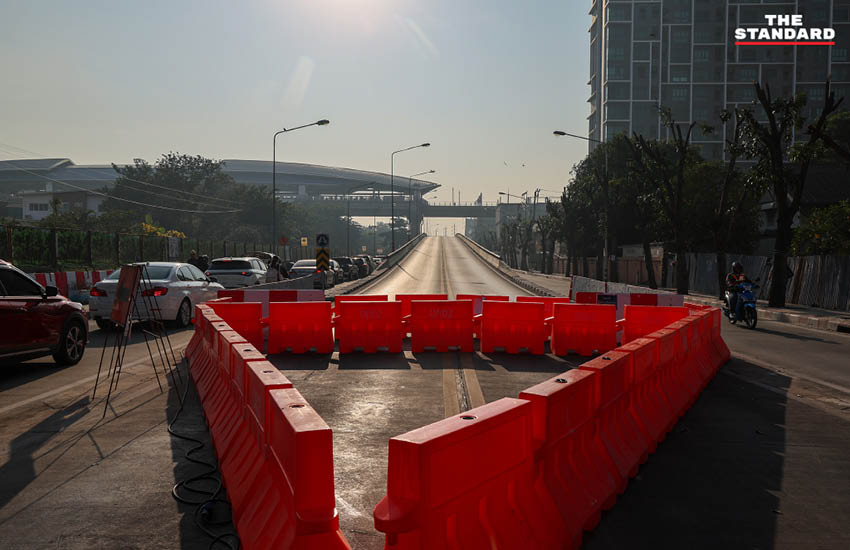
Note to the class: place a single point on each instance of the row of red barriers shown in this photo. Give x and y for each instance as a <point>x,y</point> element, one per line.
<point>274,451</point>
<point>538,471</point>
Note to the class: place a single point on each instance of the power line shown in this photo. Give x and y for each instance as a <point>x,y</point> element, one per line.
<point>13,148</point>
<point>60,182</point>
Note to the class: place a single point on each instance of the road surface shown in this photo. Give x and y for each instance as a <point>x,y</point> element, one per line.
<point>760,461</point>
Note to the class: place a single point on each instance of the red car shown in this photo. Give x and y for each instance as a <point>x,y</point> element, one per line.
<point>36,321</point>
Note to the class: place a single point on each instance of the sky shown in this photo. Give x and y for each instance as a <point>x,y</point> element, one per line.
<point>484,81</point>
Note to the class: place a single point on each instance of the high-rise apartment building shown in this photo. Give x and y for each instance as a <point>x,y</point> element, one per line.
<point>682,55</point>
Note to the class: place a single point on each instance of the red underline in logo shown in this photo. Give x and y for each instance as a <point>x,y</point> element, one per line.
<point>780,43</point>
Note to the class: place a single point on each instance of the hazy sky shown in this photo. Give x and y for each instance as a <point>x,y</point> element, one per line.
<point>485,81</point>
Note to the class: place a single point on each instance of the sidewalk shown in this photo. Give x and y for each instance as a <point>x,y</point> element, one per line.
<point>811,317</point>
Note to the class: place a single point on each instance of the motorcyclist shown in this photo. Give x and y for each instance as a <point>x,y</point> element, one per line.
<point>733,281</point>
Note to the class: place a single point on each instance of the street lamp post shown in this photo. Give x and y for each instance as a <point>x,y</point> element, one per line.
<point>410,199</point>
<point>392,189</point>
<point>605,190</point>
<point>322,122</point>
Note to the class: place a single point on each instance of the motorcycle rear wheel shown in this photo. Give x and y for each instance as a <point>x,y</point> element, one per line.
<point>750,317</point>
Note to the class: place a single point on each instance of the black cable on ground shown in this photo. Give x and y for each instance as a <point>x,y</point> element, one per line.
<point>209,500</point>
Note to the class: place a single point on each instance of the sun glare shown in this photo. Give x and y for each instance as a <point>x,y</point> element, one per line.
<point>354,15</point>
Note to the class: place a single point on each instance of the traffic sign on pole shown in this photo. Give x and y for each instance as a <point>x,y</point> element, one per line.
<point>322,240</point>
<point>303,241</point>
<point>322,258</point>
<point>363,248</point>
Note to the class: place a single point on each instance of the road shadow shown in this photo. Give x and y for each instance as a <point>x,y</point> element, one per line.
<point>372,361</point>
<point>792,336</point>
<point>191,423</point>
<point>14,374</point>
<point>19,470</point>
<point>304,361</point>
<point>525,362</point>
<point>713,482</point>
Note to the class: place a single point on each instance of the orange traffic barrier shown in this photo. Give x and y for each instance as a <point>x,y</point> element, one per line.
<point>647,404</point>
<point>547,301</point>
<point>293,504</point>
<point>574,464</point>
<point>245,318</point>
<point>548,307</point>
<point>586,297</point>
<point>643,299</point>
<point>513,326</point>
<point>676,392</point>
<point>208,372</point>
<point>369,325</point>
<point>234,295</point>
<point>225,406</point>
<point>641,320</point>
<point>617,428</point>
<point>583,328</point>
<point>243,468</point>
<point>686,369</point>
<point>406,299</point>
<point>441,325</point>
<point>300,327</point>
<point>469,482</point>
<point>478,300</point>
<point>198,329</point>
<point>356,298</point>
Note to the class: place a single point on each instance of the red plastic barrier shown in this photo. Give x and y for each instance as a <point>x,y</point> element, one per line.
<point>676,393</point>
<point>643,299</point>
<point>573,462</point>
<point>649,409</point>
<point>299,509</point>
<point>547,301</point>
<point>641,320</point>
<point>234,295</point>
<point>369,325</point>
<point>478,300</point>
<point>583,328</point>
<point>617,428</point>
<point>441,325</point>
<point>245,318</point>
<point>513,326</point>
<point>243,467</point>
<point>686,369</point>
<point>468,482</point>
<point>300,327</point>
<point>360,298</point>
<point>405,300</point>
<point>586,297</point>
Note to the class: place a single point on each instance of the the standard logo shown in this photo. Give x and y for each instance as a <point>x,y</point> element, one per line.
<point>784,30</point>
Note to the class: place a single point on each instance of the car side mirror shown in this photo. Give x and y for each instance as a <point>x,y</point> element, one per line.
<point>212,280</point>
<point>50,291</point>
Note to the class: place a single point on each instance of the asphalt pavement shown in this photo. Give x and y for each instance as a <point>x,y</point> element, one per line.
<point>760,461</point>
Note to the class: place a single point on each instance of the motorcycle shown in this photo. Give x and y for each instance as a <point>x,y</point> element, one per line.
<point>748,305</point>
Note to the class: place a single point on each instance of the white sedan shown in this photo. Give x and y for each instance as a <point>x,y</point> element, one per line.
<point>173,289</point>
<point>238,272</point>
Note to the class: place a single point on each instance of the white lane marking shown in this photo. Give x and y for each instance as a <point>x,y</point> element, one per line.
<point>66,387</point>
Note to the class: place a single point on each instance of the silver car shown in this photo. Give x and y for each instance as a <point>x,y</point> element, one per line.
<point>238,272</point>
<point>302,268</point>
<point>173,288</point>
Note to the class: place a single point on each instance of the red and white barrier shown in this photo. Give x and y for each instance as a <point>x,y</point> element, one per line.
<point>71,282</point>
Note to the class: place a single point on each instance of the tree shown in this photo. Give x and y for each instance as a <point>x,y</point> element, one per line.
<point>547,225</point>
<point>824,231</point>
<point>783,158</point>
<point>665,163</point>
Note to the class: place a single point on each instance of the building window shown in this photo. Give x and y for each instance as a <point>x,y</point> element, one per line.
<point>43,207</point>
<point>680,94</point>
<point>839,54</point>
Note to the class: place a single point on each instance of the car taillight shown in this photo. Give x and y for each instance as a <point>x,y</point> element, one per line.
<point>207,273</point>
<point>318,271</point>
<point>155,291</point>
<point>245,273</point>
<point>97,292</point>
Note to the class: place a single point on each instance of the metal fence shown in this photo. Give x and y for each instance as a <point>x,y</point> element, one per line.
<point>817,281</point>
<point>39,249</point>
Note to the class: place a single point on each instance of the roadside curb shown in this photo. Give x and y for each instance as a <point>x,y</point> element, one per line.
<point>835,323</point>
<point>480,251</point>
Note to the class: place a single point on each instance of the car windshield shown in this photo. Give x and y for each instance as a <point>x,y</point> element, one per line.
<point>230,264</point>
<point>153,272</point>
<point>305,263</point>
